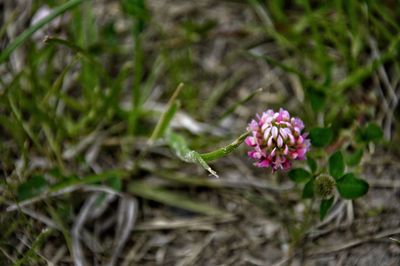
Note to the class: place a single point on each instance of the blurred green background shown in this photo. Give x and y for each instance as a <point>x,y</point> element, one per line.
<point>80,98</point>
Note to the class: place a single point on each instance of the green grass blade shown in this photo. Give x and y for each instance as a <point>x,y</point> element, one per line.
<point>269,26</point>
<point>166,117</point>
<point>31,30</point>
<point>71,182</point>
<point>23,125</point>
<point>219,92</point>
<point>174,199</point>
<point>53,144</point>
<point>61,224</point>
<point>72,46</point>
<point>287,69</point>
<point>312,20</point>
<point>86,180</point>
<point>233,107</point>
<point>96,66</point>
<point>55,89</point>
<point>188,181</point>
<point>359,75</point>
<point>94,63</point>
<point>34,248</point>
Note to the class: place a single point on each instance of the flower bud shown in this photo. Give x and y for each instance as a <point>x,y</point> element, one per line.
<point>324,186</point>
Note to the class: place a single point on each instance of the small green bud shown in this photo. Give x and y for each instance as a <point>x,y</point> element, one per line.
<point>324,186</point>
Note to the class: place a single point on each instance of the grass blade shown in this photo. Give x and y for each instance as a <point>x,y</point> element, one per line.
<point>69,44</point>
<point>32,252</point>
<point>86,180</point>
<point>166,117</point>
<point>233,107</point>
<point>362,73</point>
<point>31,30</point>
<point>286,68</point>
<point>174,199</point>
<point>25,126</point>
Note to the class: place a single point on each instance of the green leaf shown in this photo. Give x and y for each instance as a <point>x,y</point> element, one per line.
<point>359,135</point>
<point>299,175</point>
<point>336,164</point>
<point>321,137</point>
<point>312,164</point>
<point>32,187</point>
<point>179,146</point>
<point>324,207</point>
<point>308,190</point>
<point>354,158</point>
<point>351,187</point>
<point>373,132</point>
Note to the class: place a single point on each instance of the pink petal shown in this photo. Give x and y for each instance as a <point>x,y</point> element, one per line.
<point>280,141</point>
<point>286,165</point>
<point>277,140</point>
<point>296,122</point>
<point>267,132</point>
<point>273,152</point>
<point>284,132</point>
<point>270,142</point>
<point>263,163</point>
<point>250,141</point>
<point>274,132</point>
<point>254,154</point>
<point>291,138</point>
<point>286,151</point>
<point>284,115</point>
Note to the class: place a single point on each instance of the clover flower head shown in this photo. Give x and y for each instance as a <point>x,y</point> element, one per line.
<point>277,139</point>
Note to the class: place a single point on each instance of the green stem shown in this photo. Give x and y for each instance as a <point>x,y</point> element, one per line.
<point>210,156</point>
<point>303,229</point>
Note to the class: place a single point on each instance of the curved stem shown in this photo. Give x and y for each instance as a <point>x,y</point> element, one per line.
<point>210,156</point>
